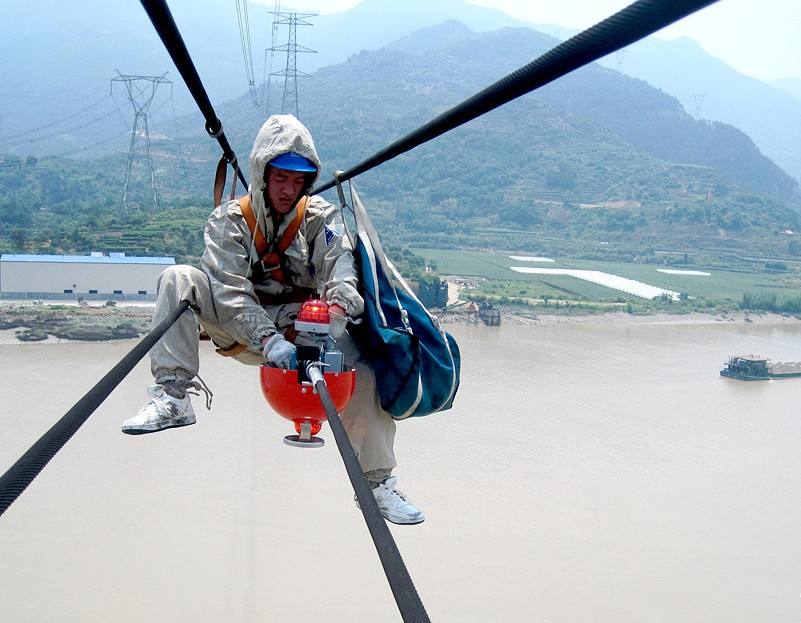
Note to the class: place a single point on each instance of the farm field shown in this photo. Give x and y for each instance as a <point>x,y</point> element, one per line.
<point>720,285</point>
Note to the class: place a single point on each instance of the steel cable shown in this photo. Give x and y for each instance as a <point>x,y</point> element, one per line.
<point>406,597</point>
<point>247,53</point>
<point>21,474</point>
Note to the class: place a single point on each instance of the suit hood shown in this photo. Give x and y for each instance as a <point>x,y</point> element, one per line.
<point>280,134</point>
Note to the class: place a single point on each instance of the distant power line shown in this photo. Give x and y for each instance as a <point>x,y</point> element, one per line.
<point>4,139</point>
<point>42,137</point>
<point>247,52</point>
<point>32,161</point>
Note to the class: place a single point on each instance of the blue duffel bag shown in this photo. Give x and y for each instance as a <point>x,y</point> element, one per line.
<point>416,361</point>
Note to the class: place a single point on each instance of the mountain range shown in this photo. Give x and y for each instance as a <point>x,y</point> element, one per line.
<point>708,88</point>
<point>63,61</point>
<point>595,158</point>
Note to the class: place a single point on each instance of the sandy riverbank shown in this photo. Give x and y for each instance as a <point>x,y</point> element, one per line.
<point>619,318</point>
<point>534,316</point>
<point>24,321</point>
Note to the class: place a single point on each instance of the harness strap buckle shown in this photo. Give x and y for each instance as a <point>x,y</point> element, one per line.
<point>269,269</point>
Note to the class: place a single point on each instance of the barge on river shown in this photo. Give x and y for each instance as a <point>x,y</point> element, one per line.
<point>756,368</point>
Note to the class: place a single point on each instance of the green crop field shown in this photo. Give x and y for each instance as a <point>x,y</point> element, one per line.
<point>722,285</point>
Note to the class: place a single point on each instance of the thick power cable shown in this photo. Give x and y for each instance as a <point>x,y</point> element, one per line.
<point>22,473</point>
<point>635,22</point>
<point>162,20</point>
<point>409,603</point>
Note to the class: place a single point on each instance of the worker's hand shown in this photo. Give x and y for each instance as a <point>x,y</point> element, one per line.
<point>338,319</point>
<point>278,351</point>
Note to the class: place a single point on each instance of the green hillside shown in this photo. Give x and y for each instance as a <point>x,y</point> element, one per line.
<point>596,165</point>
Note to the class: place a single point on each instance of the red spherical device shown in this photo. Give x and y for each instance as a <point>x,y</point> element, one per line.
<point>299,401</point>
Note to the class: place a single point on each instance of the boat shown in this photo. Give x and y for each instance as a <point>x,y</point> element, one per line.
<point>756,368</point>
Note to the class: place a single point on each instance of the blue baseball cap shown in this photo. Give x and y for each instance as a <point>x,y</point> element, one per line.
<point>291,161</point>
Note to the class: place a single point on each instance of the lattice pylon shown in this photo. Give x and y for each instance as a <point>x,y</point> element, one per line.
<point>141,91</point>
<point>291,73</point>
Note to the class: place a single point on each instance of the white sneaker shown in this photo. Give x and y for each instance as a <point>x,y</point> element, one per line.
<point>394,506</point>
<point>160,412</point>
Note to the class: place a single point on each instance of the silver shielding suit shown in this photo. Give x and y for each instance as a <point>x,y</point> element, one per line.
<point>224,292</point>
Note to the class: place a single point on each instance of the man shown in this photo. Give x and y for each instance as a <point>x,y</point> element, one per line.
<point>245,306</point>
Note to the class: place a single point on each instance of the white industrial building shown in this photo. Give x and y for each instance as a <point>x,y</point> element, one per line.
<point>100,277</point>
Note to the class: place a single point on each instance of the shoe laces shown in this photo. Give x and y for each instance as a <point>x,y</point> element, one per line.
<point>201,386</point>
<point>389,484</point>
<point>161,403</point>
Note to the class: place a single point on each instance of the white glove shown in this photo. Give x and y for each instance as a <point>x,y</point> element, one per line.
<point>278,351</point>
<point>338,324</point>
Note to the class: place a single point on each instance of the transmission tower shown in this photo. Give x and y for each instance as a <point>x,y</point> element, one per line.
<point>141,92</point>
<point>698,101</point>
<point>289,101</point>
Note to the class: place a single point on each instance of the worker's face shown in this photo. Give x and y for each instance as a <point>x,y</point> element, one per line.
<point>284,188</point>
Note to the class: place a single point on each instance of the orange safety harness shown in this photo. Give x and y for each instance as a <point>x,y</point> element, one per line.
<point>273,264</point>
<point>273,261</point>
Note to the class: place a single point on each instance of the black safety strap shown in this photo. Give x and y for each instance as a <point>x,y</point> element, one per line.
<point>22,473</point>
<point>406,597</point>
<point>635,22</point>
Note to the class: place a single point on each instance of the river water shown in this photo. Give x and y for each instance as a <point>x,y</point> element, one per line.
<point>589,472</point>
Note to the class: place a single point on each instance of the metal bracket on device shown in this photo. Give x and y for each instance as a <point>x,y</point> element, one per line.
<point>305,439</point>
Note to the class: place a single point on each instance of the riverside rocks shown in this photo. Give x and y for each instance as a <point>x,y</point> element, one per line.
<point>36,323</point>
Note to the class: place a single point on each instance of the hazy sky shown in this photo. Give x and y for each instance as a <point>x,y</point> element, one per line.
<point>761,38</point>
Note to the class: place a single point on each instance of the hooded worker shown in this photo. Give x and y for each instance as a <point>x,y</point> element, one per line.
<point>247,304</point>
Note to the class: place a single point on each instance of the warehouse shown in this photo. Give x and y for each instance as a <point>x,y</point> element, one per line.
<point>91,277</point>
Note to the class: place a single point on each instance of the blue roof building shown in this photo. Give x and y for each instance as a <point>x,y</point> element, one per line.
<point>94,258</point>
<point>115,276</point>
